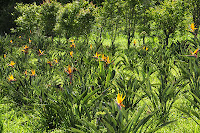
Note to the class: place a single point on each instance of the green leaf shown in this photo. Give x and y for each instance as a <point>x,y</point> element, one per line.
<point>161,126</point>
<point>143,121</point>
<point>88,124</point>
<point>133,121</point>
<point>111,118</point>
<point>75,130</point>
<point>183,110</point>
<point>195,97</point>
<point>83,95</point>
<point>110,128</point>
<point>85,100</point>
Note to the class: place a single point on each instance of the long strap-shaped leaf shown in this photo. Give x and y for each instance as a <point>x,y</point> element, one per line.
<point>110,128</point>
<point>85,100</point>
<point>74,130</point>
<point>164,124</point>
<point>89,124</point>
<point>143,121</point>
<point>134,120</point>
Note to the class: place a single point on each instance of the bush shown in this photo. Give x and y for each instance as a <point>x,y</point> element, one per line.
<point>167,17</point>
<point>49,12</point>
<point>28,17</point>
<point>72,19</point>
<point>75,19</point>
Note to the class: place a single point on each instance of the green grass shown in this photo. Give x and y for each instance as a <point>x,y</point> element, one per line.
<point>16,120</point>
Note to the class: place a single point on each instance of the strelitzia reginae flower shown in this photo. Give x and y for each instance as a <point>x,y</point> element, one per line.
<point>55,61</point>
<point>26,73</point>
<point>71,53</point>
<point>29,40</point>
<point>12,63</point>
<point>108,62</point>
<point>193,27</point>
<point>33,73</point>
<point>193,54</point>
<point>97,55</point>
<point>71,40</point>
<point>25,49</point>
<point>69,70</point>
<point>119,100</point>
<point>50,64</point>
<point>73,45</point>
<point>134,42</point>
<point>11,78</point>
<point>145,48</point>
<point>103,58</point>
<point>41,52</point>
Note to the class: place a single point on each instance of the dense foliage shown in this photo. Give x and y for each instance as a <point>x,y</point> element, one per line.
<point>64,67</point>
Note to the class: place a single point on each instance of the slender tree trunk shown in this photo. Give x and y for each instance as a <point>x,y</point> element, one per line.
<point>143,39</point>
<point>167,40</point>
<point>129,39</point>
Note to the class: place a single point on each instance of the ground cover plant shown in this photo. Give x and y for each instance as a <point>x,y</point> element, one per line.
<point>101,66</point>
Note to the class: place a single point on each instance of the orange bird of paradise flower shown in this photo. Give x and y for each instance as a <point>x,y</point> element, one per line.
<point>69,72</point>
<point>73,45</point>
<point>119,100</point>
<point>71,53</point>
<point>193,27</point>
<point>29,40</point>
<point>145,48</point>
<point>55,61</point>
<point>25,49</point>
<point>26,73</point>
<point>71,40</point>
<point>50,64</point>
<point>97,55</point>
<point>33,73</point>
<point>193,54</point>
<point>134,42</point>
<point>108,62</point>
<point>103,58</point>
<point>41,52</point>
<point>12,63</point>
<point>11,78</point>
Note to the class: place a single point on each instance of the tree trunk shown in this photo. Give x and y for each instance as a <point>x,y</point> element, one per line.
<point>129,41</point>
<point>167,40</point>
<point>143,39</point>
